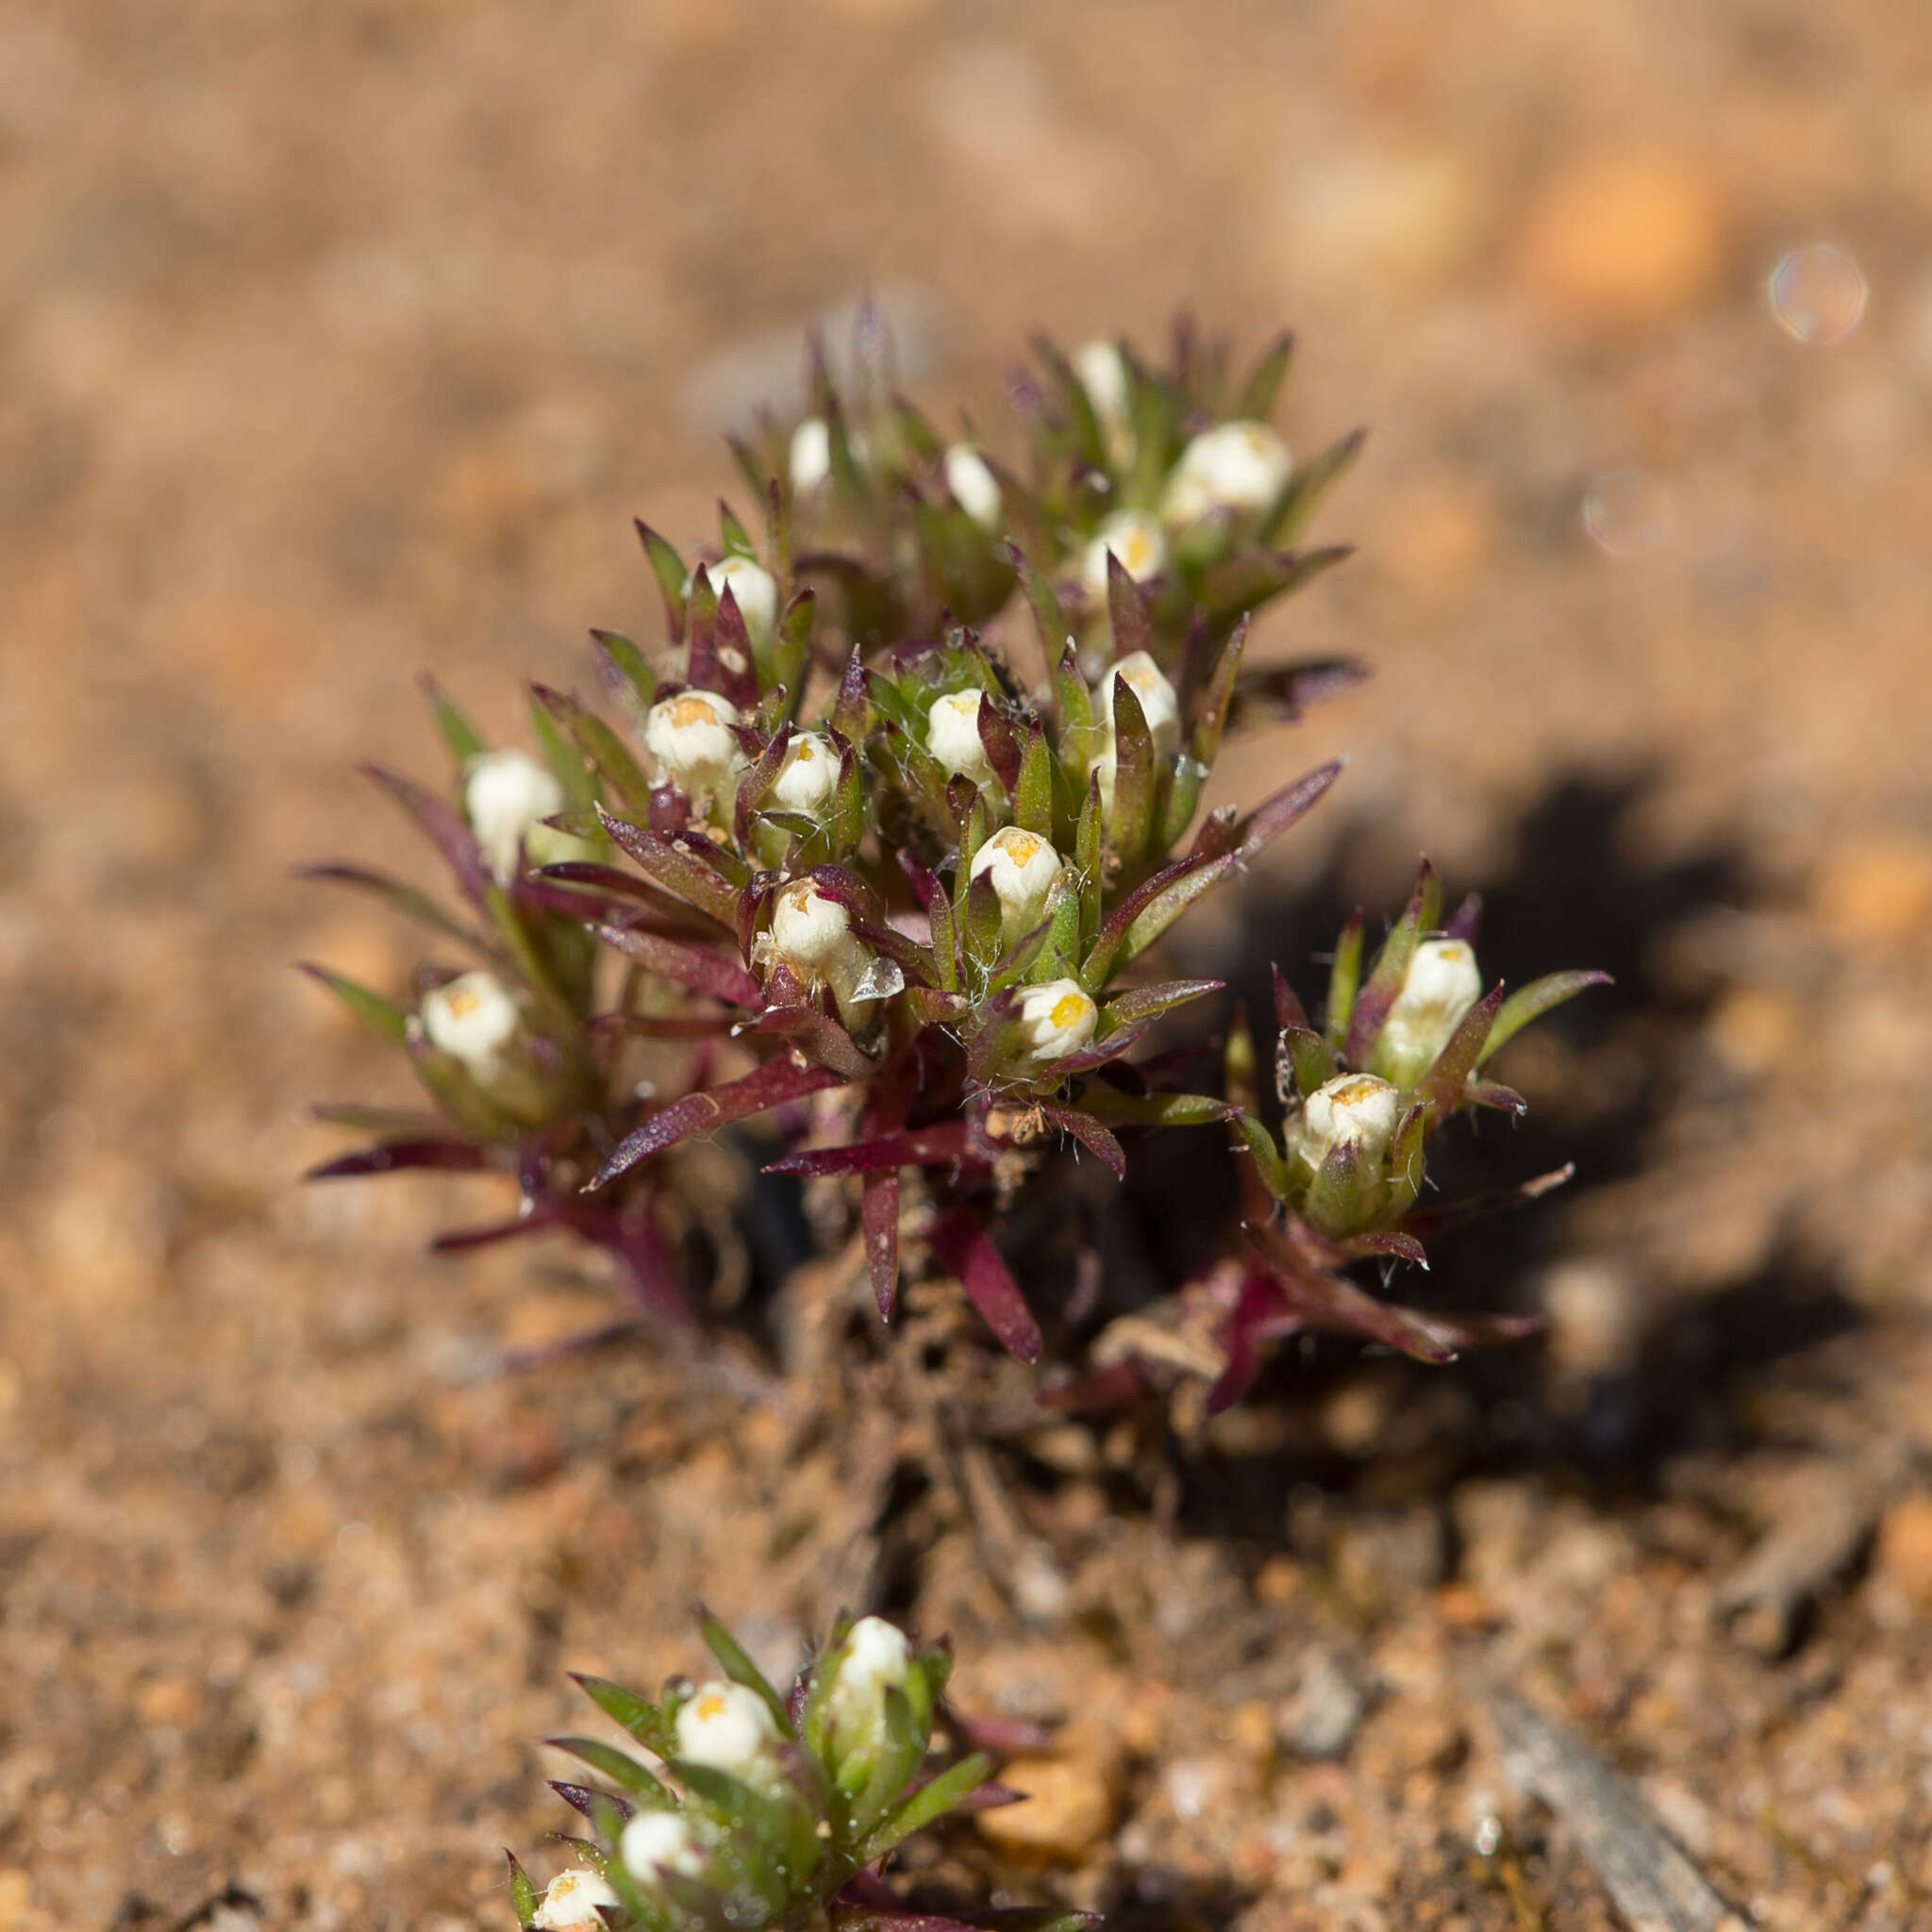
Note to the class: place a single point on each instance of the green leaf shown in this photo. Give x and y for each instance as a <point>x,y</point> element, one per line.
<point>620,1767</point>
<point>1180,798</point>
<point>637,1715</point>
<point>1153,1110</point>
<point>1212,706</point>
<point>1033,799</point>
<point>739,1667</point>
<point>736,538</point>
<point>1344,977</point>
<point>933,1800</point>
<point>1306,1059</point>
<point>1089,861</point>
<point>1268,1161</point>
<point>464,741</point>
<point>1391,967</point>
<point>630,663</point>
<point>601,746</point>
<point>408,900</point>
<point>565,759</point>
<point>1311,485</point>
<point>1135,778</point>
<point>523,1895</point>
<point>1533,1001</point>
<point>1256,403</point>
<point>372,1009</point>
<point>669,569</point>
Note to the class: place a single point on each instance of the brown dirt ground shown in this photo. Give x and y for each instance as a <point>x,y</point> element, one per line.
<point>342,340</point>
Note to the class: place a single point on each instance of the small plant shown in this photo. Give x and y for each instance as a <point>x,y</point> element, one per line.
<point>1395,1056</point>
<point>836,866</point>
<point>765,1811</point>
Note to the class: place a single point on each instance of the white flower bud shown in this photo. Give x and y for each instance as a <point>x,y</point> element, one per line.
<point>1355,1109</point>
<point>809,929</point>
<point>571,1900</point>
<point>808,777</point>
<point>877,1657</point>
<point>655,1841</point>
<point>692,739</point>
<point>472,1018</point>
<point>1238,466</point>
<point>1442,983</point>
<point>1103,374</point>
<point>811,454</point>
<point>506,793</point>
<point>752,587</point>
<point>811,933</point>
<point>1132,536</point>
<point>952,735</point>
<point>1055,1019</point>
<point>729,1728</point>
<point>974,487</point>
<point>1159,703</point>
<point>1160,706</point>
<point>1024,869</point>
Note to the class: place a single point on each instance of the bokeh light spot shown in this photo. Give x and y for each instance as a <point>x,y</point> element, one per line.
<point>1818,295</point>
<point>1627,512</point>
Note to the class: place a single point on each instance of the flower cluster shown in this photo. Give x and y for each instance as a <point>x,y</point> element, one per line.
<point>1396,1053</point>
<point>762,1811</point>
<point>895,869</point>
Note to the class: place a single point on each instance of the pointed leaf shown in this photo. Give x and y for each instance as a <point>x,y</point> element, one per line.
<point>966,1251</point>
<point>1533,1001</point>
<point>620,1767</point>
<point>690,966</point>
<point>372,1009</point>
<point>773,1084</point>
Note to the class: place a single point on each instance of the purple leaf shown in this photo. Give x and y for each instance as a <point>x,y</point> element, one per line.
<point>1273,816</point>
<point>1091,1134</point>
<point>395,1157</point>
<point>878,1216</point>
<point>1428,1221</point>
<point>690,966</point>
<point>770,1085</point>
<point>444,826</point>
<point>965,1250</point>
<point>817,1035</point>
<point>919,1147</point>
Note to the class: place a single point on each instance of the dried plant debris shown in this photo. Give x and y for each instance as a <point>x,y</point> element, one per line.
<point>1649,1876</point>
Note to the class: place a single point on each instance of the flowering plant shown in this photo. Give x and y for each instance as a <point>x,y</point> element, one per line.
<point>765,1811</point>
<point>1397,1053</point>
<point>927,888</point>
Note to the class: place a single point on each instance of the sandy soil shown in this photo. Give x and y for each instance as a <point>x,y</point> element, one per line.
<point>342,341</point>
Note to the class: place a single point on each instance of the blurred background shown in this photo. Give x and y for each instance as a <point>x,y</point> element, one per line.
<point>341,341</point>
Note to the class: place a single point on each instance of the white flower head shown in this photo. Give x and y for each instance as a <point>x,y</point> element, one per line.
<point>1024,869</point>
<point>729,1728</point>
<point>1103,373</point>
<point>571,1900</point>
<point>811,454</point>
<point>1442,983</point>
<point>1055,1019</point>
<point>877,1657</point>
<point>974,487</point>
<point>655,1841</point>
<point>504,795</point>
<point>473,1019</point>
<point>692,739</point>
<point>808,776</point>
<point>1351,1110</point>
<point>952,735</point>
<point>810,929</point>
<point>1240,467</point>
<point>1132,536</point>
<point>753,587</point>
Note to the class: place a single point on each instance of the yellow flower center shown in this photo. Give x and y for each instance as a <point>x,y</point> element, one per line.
<point>1069,1009</point>
<point>693,710</point>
